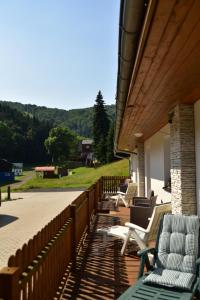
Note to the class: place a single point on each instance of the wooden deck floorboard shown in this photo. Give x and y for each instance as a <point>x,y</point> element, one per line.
<point>101,271</point>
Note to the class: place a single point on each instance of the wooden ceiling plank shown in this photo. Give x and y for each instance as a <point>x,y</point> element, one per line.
<point>153,66</point>
<point>172,30</point>
<point>156,93</point>
<point>163,12</point>
<point>157,81</point>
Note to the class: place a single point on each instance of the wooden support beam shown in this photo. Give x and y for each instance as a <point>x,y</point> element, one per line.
<point>9,286</point>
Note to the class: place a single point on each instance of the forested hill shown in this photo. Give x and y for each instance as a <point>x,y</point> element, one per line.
<point>22,136</point>
<point>78,120</point>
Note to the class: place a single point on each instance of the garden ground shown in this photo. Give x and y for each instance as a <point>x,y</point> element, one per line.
<point>81,178</point>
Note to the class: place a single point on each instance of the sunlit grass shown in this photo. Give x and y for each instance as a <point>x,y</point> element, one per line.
<point>81,177</point>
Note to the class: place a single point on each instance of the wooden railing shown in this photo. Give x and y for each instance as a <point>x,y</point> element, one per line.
<point>110,184</point>
<point>35,271</point>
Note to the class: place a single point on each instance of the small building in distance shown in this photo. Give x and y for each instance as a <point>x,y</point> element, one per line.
<point>18,169</point>
<point>6,174</point>
<point>45,171</point>
<point>50,171</point>
<point>87,152</point>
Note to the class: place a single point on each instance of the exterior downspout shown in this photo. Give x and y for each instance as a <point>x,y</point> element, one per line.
<point>132,13</point>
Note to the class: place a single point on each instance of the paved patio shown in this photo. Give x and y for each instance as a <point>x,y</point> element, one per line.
<point>27,213</point>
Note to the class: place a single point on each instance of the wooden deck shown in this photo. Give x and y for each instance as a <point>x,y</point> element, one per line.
<point>101,272</point>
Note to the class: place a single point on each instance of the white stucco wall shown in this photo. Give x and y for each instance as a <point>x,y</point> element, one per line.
<point>197,150</point>
<point>157,164</point>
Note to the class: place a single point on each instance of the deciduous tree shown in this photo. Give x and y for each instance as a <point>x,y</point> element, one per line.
<point>60,143</point>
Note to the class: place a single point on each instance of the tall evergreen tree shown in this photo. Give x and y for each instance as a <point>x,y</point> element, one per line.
<point>100,128</point>
<point>110,144</point>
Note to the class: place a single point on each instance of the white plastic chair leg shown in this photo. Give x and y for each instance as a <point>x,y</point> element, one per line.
<point>125,244</point>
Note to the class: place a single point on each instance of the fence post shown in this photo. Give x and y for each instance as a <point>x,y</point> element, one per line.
<point>88,209</point>
<point>0,197</point>
<point>8,192</point>
<point>100,187</point>
<point>73,235</point>
<point>96,197</point>
<point>9,289</point>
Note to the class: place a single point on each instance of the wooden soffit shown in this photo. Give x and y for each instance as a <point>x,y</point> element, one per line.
<point>168,73</point>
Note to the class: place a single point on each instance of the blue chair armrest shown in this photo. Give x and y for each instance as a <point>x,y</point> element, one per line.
<point>146,251</point>
<point>145,260</point>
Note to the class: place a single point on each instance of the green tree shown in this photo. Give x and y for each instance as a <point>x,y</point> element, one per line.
<point>60,144</point>
<point>22,136</point>
<point>110,144</point>
<point>6,140</point>
<point>100,128</point>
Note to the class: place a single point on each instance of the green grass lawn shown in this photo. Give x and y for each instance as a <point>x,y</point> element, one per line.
<point>25,173</point>
<point>81,177</point>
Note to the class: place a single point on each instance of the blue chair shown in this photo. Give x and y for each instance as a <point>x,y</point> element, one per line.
<point>174,273</point>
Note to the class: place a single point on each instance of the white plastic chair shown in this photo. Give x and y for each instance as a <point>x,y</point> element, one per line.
<point>125,198</point>
<point>131,232</point>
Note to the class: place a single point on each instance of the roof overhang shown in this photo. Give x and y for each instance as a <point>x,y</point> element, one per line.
<point>165,69</point>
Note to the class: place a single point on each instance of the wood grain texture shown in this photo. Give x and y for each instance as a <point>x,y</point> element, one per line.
<point>169,71</point>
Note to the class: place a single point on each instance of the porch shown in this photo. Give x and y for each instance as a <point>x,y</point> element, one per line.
<point>101,272</point>
<point>67,259</point>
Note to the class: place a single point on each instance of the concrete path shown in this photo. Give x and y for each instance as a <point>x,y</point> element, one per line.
<point>23,217</point>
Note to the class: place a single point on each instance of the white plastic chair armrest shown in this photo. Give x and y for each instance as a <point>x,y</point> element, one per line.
<point>136,227</point>
<point>121,193</point>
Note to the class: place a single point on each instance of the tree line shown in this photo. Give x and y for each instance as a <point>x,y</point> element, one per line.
<point>22,136</point>
<point>79,121</point>
<point>25,138</point>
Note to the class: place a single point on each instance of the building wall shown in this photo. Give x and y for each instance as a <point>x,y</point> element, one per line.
<point>157,164</point>
<point>197,151</point>
<point>183,165</point>
<point>133,167</point>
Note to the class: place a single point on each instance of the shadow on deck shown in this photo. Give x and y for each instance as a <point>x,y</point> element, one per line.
<point>101,271</point>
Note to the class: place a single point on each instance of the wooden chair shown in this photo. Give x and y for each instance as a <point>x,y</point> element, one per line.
<point>141,210</point>
<point>127,197</point>
<point>134,233</point>
<point>149,200</point>
<point>175,271</point>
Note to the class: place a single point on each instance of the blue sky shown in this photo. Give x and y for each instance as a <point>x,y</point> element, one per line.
<point>58,53</point>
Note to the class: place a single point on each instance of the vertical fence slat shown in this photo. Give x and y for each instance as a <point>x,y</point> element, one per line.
<point>88,209</point>
<point>73,235</point>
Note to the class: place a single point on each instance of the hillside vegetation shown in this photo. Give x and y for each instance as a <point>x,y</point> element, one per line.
<point>78,120</point>
<point>82,177</point>
<point>22,136</point>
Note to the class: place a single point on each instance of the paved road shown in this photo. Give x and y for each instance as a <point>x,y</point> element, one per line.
<point>23,217</point>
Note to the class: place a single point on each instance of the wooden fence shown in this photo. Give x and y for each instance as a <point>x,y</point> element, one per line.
<point>35,271</point>
<point>110,184</point>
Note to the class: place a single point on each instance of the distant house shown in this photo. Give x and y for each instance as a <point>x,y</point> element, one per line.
<point>6,174</point>
<point>18,169</point>
<point>50,171</point>
<point>87,152</point>
<point>45,171</point>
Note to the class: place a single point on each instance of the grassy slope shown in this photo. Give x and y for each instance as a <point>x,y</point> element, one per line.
<point>83,177</point>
